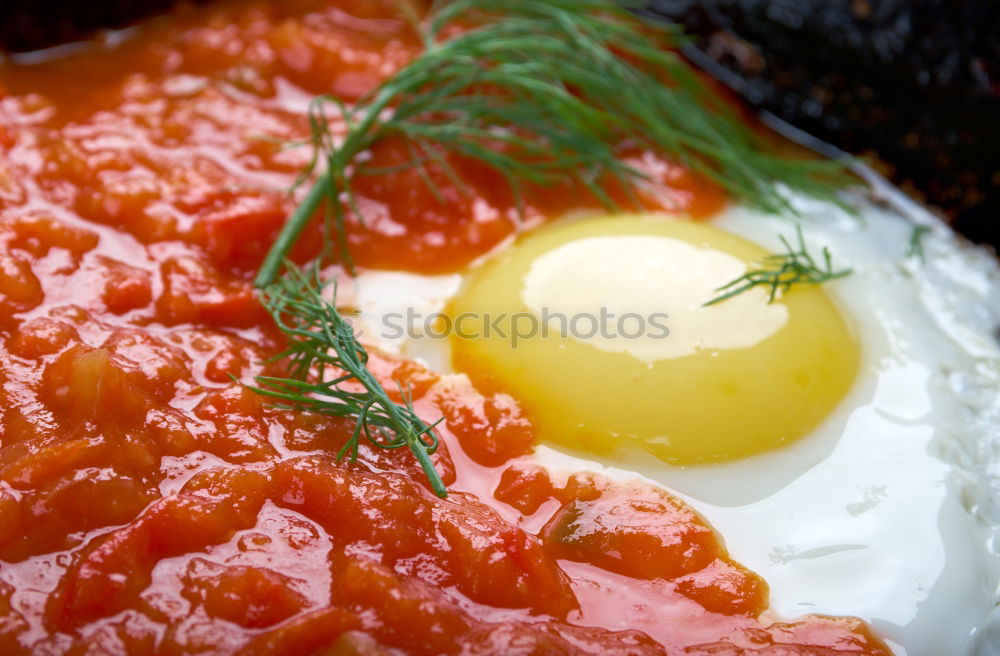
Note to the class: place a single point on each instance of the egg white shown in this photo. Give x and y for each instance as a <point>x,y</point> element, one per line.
<point>888,510</point>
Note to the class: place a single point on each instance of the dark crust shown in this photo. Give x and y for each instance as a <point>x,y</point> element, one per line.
<point>915,81</point>
<point>33,24</point>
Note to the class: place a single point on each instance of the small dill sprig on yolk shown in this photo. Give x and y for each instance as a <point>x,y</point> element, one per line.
<point>780,271</point>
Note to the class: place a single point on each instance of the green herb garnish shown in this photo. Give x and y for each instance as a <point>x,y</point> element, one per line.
<point>541,91</point>
<point>321,342</point>
<point>916,246</point>
<point>780,271</point>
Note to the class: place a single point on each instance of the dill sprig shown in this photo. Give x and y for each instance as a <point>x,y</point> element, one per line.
<point>780,271</point>
<point>916,243</point>
<point>540,91</point>
<point>321,342</point>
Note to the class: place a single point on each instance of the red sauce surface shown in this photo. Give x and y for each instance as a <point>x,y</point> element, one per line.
<point>151,505</point>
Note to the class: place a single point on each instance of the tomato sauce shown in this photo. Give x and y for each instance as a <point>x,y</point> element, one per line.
<point>150,504</point>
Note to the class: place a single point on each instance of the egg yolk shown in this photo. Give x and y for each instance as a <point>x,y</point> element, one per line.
<point>600,328</point>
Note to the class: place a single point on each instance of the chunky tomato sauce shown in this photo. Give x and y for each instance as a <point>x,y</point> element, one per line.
<point>149,504</point>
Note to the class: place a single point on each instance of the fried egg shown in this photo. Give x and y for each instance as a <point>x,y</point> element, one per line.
<point>843,439</point>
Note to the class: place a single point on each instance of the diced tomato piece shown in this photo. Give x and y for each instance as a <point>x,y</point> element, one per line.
<point>226,363</point>
<point>161,365</point>
<point>726,588</point>
<point>312,432</point>
<point>20,290</point>
<point>402,604</point>
<point>43,464</point>
<point>639,531</point>
<point>56,516</point>
<point>224,355</point>
<point>246,489</point>
<point>320,55</point>
<point>237,234</point>
<point>194,293</point>
<point>407,224</point>
<point>125,287</point>
<point>524,487</point>
<point>249,596</point>
<point>168,429</point>
<point>108,577</point>
<point>84,383</point>
<point>42,336</point>
<point>240,433</point>
<point>491,429</point>
<point>306,635</point>
<point>38,234</point>
<point>402,377</point>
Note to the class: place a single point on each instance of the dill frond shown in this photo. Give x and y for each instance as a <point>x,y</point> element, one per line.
<point>542,91</point>
<point>780,272</point>
<point>323,356</point>
<point>916,243</point>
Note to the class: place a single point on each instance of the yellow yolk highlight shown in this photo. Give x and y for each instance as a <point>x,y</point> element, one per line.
<point>599,328</point>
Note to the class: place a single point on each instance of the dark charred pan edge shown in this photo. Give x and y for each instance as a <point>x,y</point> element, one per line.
<point>33,24</point>
<point>917,81</point>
